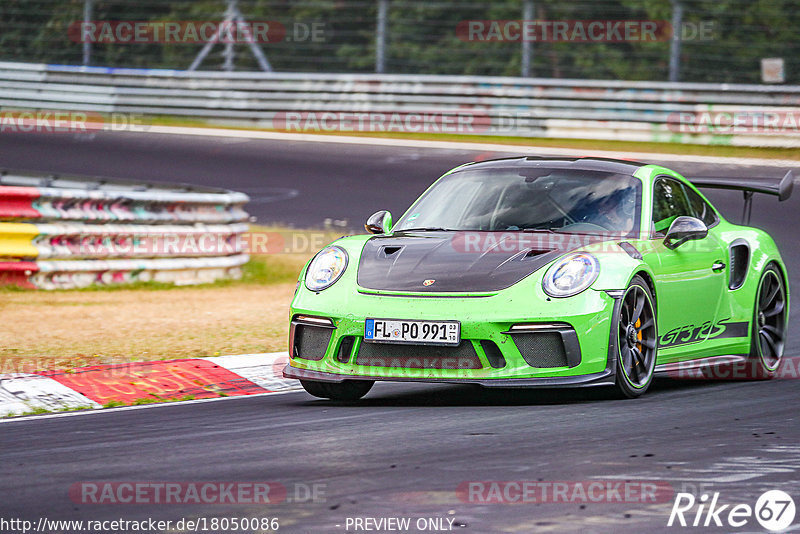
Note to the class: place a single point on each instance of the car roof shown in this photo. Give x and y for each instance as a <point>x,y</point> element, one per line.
<point>617,166</point>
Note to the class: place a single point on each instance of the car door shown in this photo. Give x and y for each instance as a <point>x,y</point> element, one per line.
<point>690,280</point>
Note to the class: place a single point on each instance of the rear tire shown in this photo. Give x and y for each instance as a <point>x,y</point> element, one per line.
<point>768,338</point>
<point>348,390</point>
<point>637,339</point>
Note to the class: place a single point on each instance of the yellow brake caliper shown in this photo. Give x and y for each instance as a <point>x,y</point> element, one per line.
<point>640,336</point>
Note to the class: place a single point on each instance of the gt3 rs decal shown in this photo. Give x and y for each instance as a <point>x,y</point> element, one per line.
<point>684,335</point>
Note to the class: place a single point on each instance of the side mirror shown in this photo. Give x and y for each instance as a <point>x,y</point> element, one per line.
<point>684,229</point>
<point>379,222</point>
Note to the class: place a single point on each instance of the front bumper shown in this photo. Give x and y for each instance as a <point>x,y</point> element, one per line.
<point>493,352</point>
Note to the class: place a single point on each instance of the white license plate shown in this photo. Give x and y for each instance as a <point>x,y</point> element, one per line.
<point>417,332</point>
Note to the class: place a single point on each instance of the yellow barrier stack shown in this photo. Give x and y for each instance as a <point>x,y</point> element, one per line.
<point>16,241</point>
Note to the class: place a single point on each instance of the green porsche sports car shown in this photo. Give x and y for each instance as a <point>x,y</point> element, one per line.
<point>536,272</point>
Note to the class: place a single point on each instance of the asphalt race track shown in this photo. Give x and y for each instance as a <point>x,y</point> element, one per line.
<point>405,450</point>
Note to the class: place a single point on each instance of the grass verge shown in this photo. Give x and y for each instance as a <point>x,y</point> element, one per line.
<point>64,329</point>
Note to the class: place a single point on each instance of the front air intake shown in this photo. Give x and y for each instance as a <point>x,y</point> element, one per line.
<point>740,263</point>
<point>547,346</point>
<point>345,348</point>
<point>310,337</point>
<point>493,354</point>
<point>542,350</point>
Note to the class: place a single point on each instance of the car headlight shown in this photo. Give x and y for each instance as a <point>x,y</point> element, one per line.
<point>571,275</point>
<point>326,268</point>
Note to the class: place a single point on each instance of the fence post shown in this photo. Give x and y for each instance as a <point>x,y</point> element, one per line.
<point>228,52</point>
<point>527,14</point>
<point>380,37</point>
<point>675,45</point>
<point>87,44</point>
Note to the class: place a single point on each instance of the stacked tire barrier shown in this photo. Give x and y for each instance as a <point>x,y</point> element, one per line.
<point>726,114</point>
<point>60,232</point>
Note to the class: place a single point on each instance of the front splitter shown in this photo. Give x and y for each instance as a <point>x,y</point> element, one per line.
<point>603,378</point>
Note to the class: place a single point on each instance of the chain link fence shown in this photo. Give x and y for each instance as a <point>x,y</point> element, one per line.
<point>680,40</point>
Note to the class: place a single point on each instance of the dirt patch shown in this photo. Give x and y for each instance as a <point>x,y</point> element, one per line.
<point>68,329</point>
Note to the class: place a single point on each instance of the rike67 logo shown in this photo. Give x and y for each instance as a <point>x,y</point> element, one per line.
<point>774,510</point>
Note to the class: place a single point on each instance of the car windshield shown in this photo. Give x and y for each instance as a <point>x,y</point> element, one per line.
<point>529,199</point>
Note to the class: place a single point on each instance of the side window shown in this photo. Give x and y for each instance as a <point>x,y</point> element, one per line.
<point>669,203</point>
<point>701,209</point>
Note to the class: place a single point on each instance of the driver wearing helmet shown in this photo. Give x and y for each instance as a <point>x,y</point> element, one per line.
<point>615,212</point>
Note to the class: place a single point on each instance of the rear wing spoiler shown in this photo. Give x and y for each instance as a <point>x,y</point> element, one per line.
<point>749,186</point>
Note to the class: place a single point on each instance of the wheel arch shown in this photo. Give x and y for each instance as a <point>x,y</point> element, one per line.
<point>623,378</point>
<point>778,263</point>
<point>769,369</point>
<point>649,279</point>
<point>765,253</point>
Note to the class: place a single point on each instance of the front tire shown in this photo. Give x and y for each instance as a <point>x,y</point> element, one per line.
<point>349,390</point>
<point>637,339</point>
<point>768,337</point>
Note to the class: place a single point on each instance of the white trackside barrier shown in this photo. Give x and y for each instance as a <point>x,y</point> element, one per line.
<point>728,114</point>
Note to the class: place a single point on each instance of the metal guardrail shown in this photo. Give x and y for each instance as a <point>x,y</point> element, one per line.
<point>68,232</point>
<point>533,107</point>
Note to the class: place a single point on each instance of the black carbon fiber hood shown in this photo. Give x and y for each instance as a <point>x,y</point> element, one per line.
<point>455,262</point>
